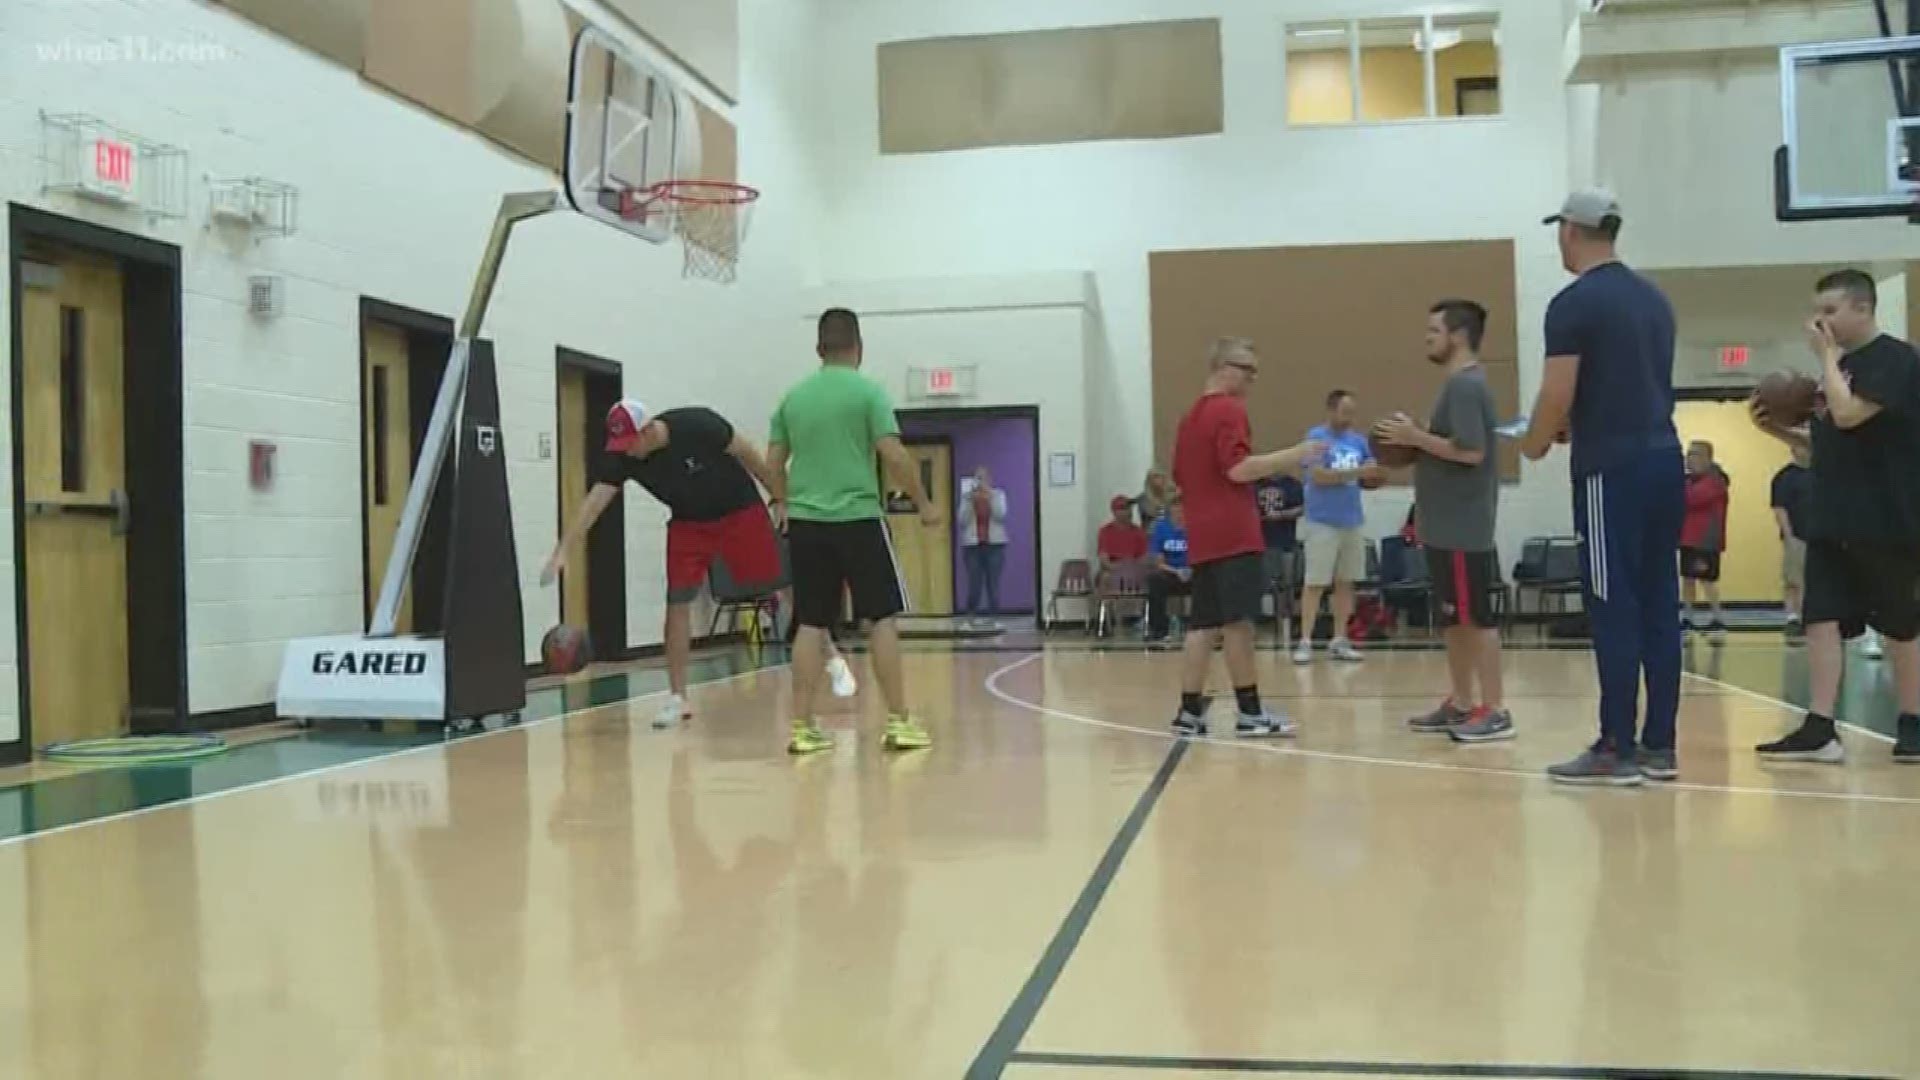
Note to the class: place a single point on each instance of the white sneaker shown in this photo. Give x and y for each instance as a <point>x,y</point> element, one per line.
<point>1303,652</point>
<point>672,711</point>
<point>1342,649</point>
<point>1870,646</point>
<point>841,675</point>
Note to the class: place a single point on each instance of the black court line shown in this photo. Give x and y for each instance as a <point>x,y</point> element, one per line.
<point>1005,1040</point>
<point>1385,1068</point>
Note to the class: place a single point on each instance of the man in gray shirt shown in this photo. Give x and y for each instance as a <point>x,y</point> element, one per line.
<point>1456,495</point>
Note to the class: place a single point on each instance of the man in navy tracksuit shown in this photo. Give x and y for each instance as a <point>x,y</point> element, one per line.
<point>1608,384</point>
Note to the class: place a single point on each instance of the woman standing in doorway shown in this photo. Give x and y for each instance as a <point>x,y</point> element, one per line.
<point>983,542</point>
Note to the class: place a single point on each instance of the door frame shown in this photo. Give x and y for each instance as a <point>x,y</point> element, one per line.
<point>1029,413</point>
<point>594,367</point>
<point>156,267</point>
<point>413,321</point>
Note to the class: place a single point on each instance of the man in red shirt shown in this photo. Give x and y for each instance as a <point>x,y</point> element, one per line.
<point>1703,537</point>
<point>1120,539</point>
<point>1215,469</point>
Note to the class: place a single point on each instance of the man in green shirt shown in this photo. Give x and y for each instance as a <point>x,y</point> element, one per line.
<point>826,433</point>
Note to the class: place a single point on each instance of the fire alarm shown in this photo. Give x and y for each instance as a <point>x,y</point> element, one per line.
<point>260,464</point>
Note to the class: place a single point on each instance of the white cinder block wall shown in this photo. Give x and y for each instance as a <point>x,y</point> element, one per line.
<point>395,205</point>
<point>1103,207</point>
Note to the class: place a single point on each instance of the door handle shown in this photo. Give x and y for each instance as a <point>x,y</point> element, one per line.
<point>115,506</point>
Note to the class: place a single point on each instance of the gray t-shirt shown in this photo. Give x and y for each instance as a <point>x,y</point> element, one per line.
<point>1457,503</point>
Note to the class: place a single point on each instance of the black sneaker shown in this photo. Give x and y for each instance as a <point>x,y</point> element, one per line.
<point>1907,750</point>
<point>1813,740</point>
<point>1186,723</point>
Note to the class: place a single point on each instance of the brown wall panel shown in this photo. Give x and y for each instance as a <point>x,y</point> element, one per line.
<point>702,34</point>
<point>336,29</point>
<point>1348,316</point>
<point>1137,81</point>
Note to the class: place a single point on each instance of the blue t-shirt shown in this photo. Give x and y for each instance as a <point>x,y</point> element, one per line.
<point>1622,329</point>
<point>1169,542</point>
<point>1338,505</point>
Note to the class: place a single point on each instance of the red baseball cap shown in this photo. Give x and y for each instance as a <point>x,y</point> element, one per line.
<point>623,425</point>
<point>1120,502</point>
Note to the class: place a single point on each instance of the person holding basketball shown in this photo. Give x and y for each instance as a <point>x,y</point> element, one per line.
<point>1863,512</point>
<point>692,460</point>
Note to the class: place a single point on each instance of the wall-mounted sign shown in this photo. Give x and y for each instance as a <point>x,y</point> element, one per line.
<point>1734,357</point>
<point>107,169</point>
<point>1060,470</point>
<point>945,381</point>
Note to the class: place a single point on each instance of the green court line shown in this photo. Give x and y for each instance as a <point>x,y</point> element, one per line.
<point>54,802</point>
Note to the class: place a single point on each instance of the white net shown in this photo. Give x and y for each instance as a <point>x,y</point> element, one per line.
<point>712,221</point>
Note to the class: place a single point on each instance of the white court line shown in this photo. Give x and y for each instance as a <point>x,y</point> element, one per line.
<point>1787,705</point>
<point>366,762</point>
<point>992,687</point>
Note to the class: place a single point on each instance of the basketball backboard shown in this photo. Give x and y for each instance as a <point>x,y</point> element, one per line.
<point>1850,115</point>
<point>626,131</point>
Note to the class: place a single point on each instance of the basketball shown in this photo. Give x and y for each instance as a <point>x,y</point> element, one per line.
<point>565,650</point>
<point>1788,397</point>
<point>1392,455</point>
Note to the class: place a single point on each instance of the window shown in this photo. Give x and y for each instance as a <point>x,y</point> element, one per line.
<point>1413,67</point>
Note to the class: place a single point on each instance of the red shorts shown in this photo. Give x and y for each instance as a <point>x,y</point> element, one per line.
<point>743,540</point>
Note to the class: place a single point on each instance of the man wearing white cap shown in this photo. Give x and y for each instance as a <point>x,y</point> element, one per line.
<point>692,460</point>
<point>1607,386</point>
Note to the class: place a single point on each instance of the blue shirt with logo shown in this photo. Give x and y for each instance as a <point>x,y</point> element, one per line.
<point>1169,542</point>
<point>1338,505</point>
<point>1622,329</point>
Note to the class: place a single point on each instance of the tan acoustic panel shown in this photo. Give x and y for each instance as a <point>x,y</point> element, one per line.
<point>719,146</point>
<point>1348,317</point>
<point>1138,81</point>
<point>336,29</point>
<point>702,34</point>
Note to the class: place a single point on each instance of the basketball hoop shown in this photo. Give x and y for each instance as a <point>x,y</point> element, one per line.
<point>710,216</point>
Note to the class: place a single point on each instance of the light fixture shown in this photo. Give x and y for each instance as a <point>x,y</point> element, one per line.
<point>1442,39</point>
<point>1318,31</point>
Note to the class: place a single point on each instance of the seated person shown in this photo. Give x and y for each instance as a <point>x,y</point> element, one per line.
<point>1121,541</point>
<point>1167,547</point>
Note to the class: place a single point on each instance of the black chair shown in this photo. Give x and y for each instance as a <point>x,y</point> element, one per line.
<point>1405,585</point>
<point>759,602</point>
<point>1549,567</point>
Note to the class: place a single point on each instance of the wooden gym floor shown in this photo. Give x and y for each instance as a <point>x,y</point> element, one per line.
<point>1058,891</point>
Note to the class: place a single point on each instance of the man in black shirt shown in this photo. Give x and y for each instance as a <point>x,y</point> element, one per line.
<point>1863,520</point>
<point>1792,487</point>
<point>692,460</point>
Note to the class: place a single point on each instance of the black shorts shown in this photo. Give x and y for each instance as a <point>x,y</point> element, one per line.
<point>1860,584</point>
<point>1228,591</point>
<point>1463,584</point>
<point>833,558</point>
<point>1698,564</point>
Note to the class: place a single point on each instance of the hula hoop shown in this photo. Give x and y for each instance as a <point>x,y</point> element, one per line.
<point>136,750</point>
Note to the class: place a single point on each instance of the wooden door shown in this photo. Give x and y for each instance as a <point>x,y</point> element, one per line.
<point>388,431</point>
<point>73,487</point>
<point>576,433</point>
<point>926,554</point>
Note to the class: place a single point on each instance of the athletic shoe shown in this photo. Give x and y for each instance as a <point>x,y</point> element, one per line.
<point>1811,741</point>
<point>904,734</point>
<point>1486,725</point>
<point>1659,764</point>
<point>1907,750</point>
<point>840,673</point>
<point>1190,724</point>
<point>1303,651</point>
<point>1597,768</point>
<point>1441,719</point>
<point>808,739</point>
<point>672,711</point>
<point>1870,648</point>
<point>1265,725</point>
<point>1342,649</point>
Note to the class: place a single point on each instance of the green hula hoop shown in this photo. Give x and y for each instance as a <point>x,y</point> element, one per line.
<point>136,750</point>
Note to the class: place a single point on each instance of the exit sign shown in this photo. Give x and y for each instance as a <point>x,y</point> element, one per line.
<point>1734,357</point>
<point>107,169</point>
<point>941,380</point>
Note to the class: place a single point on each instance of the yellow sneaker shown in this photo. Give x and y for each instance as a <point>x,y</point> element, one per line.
<point>904,734</point>
<point>808,739</point>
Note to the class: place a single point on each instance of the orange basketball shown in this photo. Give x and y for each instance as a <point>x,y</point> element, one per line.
<point>1393,455</point>
<point>565,650</point>
<point>1788,396</point>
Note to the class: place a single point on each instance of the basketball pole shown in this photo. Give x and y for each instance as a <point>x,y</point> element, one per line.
<point>514,209</point>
